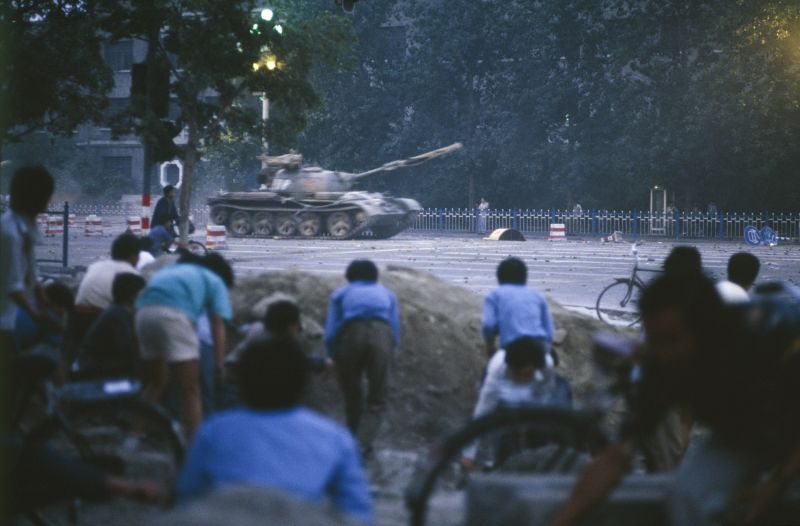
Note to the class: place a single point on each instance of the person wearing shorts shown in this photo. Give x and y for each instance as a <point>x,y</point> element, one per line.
<point>166,318</point>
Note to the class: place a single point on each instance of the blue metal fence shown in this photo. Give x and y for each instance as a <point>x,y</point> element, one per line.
<point>633,223</point>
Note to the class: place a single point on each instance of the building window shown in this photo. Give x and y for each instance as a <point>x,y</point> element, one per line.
<point>117,167</point>
<point>117,106</point>
<point>118,55</point>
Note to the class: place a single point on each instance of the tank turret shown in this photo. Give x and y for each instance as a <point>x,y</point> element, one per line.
<point>309,201</point>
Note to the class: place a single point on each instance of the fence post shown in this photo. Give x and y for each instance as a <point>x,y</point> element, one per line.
<point>65,238</point>
<point>515,218</point>
<point>678,225</point>
<point>440,219</point>
<point>594,222</point>
<point>635,214</point>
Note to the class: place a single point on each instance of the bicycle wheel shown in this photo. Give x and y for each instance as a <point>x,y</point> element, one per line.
<point>555,438</point>
<point>618,304</point>
<point>196,247</point>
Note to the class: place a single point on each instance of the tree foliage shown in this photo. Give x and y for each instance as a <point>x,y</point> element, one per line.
<point>52,76</point>
<point>575,101</point>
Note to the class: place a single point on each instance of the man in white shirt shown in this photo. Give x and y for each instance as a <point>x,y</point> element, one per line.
<point>743,269</point>
<point>521,374</point>
<point>94,293</point>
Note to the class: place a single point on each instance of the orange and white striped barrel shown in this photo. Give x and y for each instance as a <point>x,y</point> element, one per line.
<point>558,232</point>
<point>93,225</point>
<point>135,225</point>
<point>215,237</point>
<point>55,226</point>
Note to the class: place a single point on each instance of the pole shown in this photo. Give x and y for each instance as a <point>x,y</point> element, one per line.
<point>151,81</point>
<point>265,118</point>
<point>65,239</point>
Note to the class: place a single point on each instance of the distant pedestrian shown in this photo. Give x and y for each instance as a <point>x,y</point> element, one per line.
<point>577,210</point>
<point>483,212</point>
<point>513,310</point>
<point>361,330</point>
<point>165,212</point>
<point>274,442</point>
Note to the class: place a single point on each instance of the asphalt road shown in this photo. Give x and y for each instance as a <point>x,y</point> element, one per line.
<point>573,272</point>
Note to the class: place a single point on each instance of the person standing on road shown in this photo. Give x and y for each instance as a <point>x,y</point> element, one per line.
<point>165,211</point>
<point>483,211</point>
<point>361,330</point>
<point>513,310</point>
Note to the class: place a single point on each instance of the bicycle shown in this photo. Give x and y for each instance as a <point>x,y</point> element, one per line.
<point>102,423</point>
<point>529,439</point>
<point>618,303</point>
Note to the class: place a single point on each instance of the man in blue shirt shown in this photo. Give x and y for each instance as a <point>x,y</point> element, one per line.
<point>362,328</point>
<point>513,310</point>
<point>166,317</point>
<point>273,442</point>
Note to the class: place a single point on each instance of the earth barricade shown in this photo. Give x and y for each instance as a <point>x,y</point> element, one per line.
<point>215,237</point>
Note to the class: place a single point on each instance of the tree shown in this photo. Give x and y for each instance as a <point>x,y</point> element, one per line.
<point>220,54</point>
<point>53,75</point>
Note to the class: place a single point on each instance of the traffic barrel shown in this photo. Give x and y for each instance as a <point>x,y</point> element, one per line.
<point>215,237</point>
<point>558,232</point>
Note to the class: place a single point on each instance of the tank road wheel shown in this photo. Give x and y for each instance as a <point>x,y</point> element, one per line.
<point>339,224</point>
<point>308,224</point>
<point>219,215</point>
<point>285,225</point>
<point>263,224</point>
<point>239,223</point>
<point>359,218</point>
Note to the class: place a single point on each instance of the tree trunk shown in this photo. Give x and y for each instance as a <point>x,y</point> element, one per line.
<point>189,162</point>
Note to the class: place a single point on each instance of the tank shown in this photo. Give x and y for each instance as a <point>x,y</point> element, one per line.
<point>310,202</point>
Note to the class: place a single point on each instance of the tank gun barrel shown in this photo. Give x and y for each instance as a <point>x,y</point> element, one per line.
<point>402,163</point>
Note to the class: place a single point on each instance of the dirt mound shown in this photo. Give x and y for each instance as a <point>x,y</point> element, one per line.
<point>435,375</point>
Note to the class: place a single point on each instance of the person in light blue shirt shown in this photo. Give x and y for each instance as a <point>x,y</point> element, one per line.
<point>513,310</point>
<point>361,330</point>
<point>273,442</point>
<point>167,312</point>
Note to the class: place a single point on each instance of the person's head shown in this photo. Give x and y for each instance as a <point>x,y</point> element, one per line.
<point>523,356</point>
<point>60,296</point>
<point>683,261</point>
<point>169,191</point>
<point>743,269</point>
<point>361,270</point>
<point>685,322</point>
<point>126,287</point>
<point>126,247</point>
<point>272,373</point>
<point>213,262</point>
<point>282,318</point>
<point>512,271</point>
<point>30,190</point>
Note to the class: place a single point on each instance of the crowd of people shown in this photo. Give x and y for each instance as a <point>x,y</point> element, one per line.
<point>722,354</point>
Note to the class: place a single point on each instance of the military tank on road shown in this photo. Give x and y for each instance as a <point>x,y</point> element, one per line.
<point>311,202</point>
